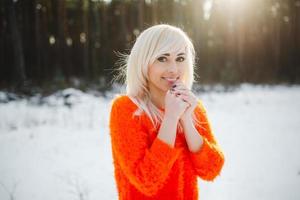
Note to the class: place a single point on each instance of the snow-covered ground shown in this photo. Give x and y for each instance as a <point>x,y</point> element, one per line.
<point>58,148</point>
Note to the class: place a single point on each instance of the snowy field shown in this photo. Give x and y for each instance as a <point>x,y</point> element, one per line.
<point>58,148</point>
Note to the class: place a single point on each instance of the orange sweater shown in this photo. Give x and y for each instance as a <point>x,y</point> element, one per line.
<point>146,167</point>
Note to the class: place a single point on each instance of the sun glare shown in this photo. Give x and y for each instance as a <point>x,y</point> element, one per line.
<point>207,9</point>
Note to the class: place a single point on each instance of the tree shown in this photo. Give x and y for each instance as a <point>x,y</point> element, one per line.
<point>16,41</point>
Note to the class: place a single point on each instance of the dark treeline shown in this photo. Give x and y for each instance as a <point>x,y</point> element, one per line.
<point>71,41</point>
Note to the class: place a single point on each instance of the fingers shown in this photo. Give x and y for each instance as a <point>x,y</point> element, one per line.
<point>184,92</point>
<point>185,98</point>
<point>180,87</point>
<point>185,95</point>
<point>184,101</point>
<point>181,91</point>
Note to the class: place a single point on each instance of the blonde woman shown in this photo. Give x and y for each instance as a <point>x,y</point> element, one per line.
<point>160,135</point>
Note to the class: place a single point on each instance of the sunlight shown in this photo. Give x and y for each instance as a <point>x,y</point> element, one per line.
<point>207,9</point>
<point>235,4</point>
<point>106,1</point>
<point>208,4</point>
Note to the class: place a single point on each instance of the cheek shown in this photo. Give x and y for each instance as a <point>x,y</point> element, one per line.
<point>182,71</point>
<point>155,72</point>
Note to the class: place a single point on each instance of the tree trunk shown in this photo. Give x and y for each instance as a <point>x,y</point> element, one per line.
<point>141,14</point>
<point>85,46</point>
<point>18,56</point>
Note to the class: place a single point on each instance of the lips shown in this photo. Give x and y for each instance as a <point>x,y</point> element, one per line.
<point>170,79</point>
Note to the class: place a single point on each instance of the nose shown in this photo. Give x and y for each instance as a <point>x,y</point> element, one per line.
<point>172,68</point>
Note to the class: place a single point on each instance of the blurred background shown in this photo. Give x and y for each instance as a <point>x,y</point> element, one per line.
<point>57,62</point>
<point>73,42</point>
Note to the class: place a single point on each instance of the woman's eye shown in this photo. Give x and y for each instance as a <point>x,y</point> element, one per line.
<point>162,59</point>
<point>180,59</point>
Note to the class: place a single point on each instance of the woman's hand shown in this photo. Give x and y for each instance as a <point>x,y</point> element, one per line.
<point>182,92</point>
<point>174,105</point>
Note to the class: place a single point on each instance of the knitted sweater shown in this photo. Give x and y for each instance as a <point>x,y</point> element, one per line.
<point>146,167</point>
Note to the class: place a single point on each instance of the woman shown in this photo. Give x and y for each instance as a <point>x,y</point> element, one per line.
<point>161,138</point>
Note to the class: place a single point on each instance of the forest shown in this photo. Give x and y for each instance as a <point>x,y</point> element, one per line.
<point>60,43</point>
<point>59,67</point>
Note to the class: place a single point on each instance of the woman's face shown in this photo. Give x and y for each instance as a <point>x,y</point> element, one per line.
<point>165,70</point>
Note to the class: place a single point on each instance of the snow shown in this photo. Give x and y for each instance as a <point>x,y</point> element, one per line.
<point>58,147</point>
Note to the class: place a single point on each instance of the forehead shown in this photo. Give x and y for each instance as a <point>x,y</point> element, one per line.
<point>174,52</point>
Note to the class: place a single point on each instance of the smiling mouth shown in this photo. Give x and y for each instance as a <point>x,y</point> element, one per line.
<point>170,80</point>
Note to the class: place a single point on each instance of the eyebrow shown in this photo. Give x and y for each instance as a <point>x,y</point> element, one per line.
<point>167,54</point>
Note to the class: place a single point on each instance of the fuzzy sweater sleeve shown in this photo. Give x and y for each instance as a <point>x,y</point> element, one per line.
<point>146,166</point>
<point>209,160</point>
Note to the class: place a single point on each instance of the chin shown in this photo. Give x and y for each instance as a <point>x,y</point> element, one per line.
<point>164,90</point>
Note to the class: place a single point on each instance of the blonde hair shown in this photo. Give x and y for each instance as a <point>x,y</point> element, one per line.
<point>151,43</point>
